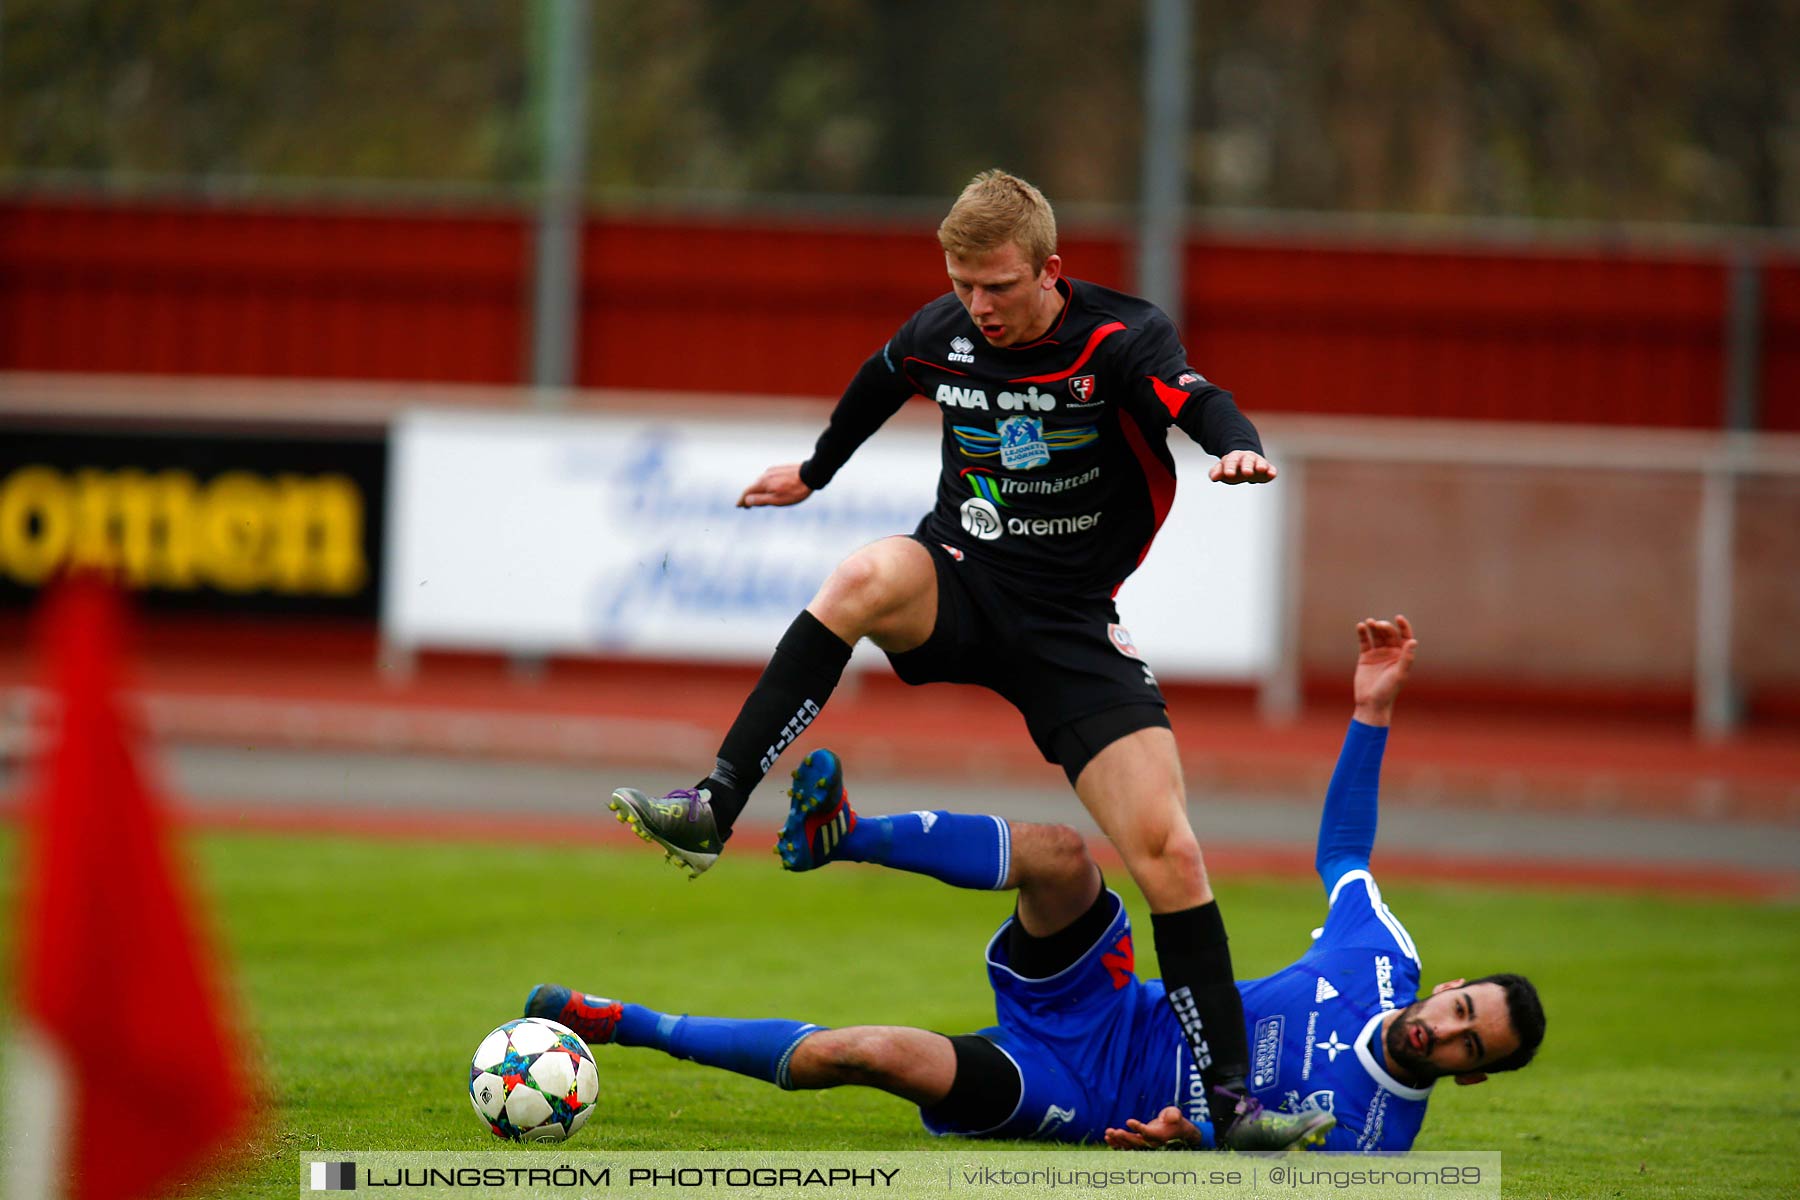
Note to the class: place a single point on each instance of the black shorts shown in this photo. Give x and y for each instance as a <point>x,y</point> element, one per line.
<point>1066,664</point>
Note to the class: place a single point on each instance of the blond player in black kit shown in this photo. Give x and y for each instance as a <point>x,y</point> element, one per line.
<point>1057,397</point>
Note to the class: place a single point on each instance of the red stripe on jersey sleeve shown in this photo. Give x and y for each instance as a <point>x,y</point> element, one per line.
<point>1094,339</point>
<point>1172,397</point>
<point>1160,480</point>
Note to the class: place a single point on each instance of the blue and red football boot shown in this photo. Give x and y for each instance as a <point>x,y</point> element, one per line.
<point>819,814</point>
<point>595,1018</point>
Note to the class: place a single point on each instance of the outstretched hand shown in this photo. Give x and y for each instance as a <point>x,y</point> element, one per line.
<point>778,485</point>
<point>1386,658</point>
<point>1242,466</point>
<point>1168,1128</point>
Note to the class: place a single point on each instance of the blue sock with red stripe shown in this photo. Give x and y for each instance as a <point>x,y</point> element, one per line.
<point>757,1048</point>
<point>961,849</point>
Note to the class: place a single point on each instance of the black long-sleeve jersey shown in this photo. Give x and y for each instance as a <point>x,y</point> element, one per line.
<point>1057,469</point>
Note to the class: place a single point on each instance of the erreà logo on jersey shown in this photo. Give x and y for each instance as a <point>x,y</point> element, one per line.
<point>1082,388</point>
<point>962,350</point>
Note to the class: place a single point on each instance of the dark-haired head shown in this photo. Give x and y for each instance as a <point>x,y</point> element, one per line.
<point>1527,1014</point>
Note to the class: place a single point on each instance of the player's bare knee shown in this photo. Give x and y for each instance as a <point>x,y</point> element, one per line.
<point>1169,848</point>
<point>1050,856</point>
<point>1180,855</point>
<point>1066,854</point>
<point>856,593</point>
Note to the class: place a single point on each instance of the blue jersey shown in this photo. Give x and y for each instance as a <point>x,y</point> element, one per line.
<point>1096,1046</point>
<point>1315,1027</point>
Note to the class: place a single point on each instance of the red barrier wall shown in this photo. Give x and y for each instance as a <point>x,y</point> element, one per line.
<point>1781,348</point>
<point>1585,337</point>
<point>790,307</point>
<point>193,289</point>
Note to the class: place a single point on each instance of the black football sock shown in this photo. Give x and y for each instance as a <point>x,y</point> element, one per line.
<point>1196,968</point>
<point>806,666</point>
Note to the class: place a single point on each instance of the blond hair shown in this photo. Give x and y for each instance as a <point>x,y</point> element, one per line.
<point>997,208</point>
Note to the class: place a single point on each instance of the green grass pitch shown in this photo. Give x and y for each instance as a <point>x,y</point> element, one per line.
<point>368,970</point>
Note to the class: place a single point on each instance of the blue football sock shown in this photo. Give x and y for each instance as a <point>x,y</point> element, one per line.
<point>961,849</point>
<point>638,1027</point>
<point>757,1048</point>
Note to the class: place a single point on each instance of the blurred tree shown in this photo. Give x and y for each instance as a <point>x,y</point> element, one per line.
<point>1601,109</point>
<point>335,89</point>
<point>881,97</point>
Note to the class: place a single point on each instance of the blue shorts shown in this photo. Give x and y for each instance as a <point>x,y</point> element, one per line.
<point>1079,1040</point>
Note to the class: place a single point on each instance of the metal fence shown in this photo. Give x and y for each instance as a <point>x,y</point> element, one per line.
<point>1582,589</point>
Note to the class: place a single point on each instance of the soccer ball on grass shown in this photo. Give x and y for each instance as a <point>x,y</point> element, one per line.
<point>532,1080</point>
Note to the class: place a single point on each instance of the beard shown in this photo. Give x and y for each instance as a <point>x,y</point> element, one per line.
<point>1400,1051</point>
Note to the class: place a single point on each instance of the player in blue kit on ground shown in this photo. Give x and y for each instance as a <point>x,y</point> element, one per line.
<point>1057,398</point>
<point>1341,1042</point>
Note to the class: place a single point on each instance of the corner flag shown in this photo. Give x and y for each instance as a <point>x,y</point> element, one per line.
<point>130,1078</point>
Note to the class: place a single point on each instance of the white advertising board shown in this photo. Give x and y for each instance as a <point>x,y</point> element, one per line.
<point>621,536</point>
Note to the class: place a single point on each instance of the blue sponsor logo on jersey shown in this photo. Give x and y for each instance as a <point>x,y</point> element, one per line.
<point>976,442</point>
<point>1265,1052</point>
<point>1022,444</point>
<point>1324,1101</point>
